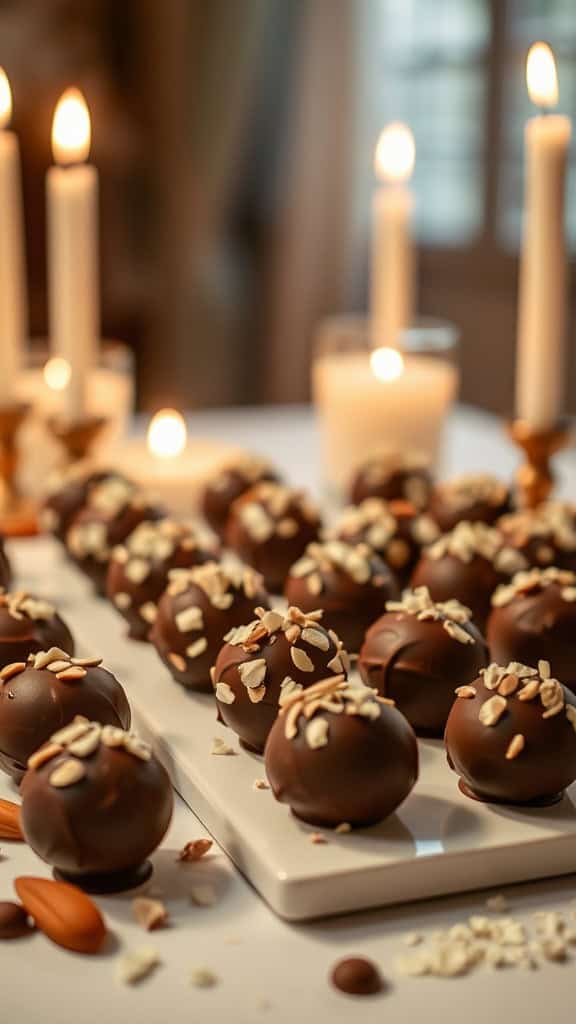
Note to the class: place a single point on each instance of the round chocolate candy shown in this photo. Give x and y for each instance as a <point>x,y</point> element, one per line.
<point>47,692</point>
<point>229,483</point>
<point>340,755</point>
<point>511,736</point>
<point>393,529</point>
<point>95,804</point>
<point>545,536</point>
<point>349,583</point>
<point>393,475</point>
<point>30,624</point>
<point>269,528</point>
<point>197,611</point>
<point>266,661</point>
<point>138,569</point>
<point>472,497</point>
<point>70,491</point>
<point>418,652</point>
<point>534,617</point>
<point>468,564</point>
<point>110,517</point>
<point>357,977</point>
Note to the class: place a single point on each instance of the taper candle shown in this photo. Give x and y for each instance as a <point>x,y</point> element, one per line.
<point>13,298</point>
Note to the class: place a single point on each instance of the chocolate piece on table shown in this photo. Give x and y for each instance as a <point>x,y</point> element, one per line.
<point>357,977</point>
<point>229,483</point>
<point>14,921</point>
<point>471,497</point>
<point>394,530</point>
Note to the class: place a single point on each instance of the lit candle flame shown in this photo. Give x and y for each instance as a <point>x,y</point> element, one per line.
<point>167,434</point>
<point>57,373</point>
<point>541,76</point>
<point>5,100</point>
<point>395,153</point>
<point>386,363</point>
<point>71,129</point>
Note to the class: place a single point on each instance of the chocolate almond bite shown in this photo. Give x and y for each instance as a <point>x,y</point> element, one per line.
<point>138,569</point>
<point>30,624</point>
<point>545,536</point>
<point>394,530</point>
<point>473,497</point>
<point>340,754</point>
<point>265,662</point>
<point>269,528</point>
<point>95,804</point>
<point>418,652</point>
<point>198,609</point>
<point>349,583</point>
<point>468,564</point>
<point>393,475</point>
<point>229,483</point>
<point>70,491</point>
<point>46,692</point>
<point>511,735</point>
<point>113,512</point>
<point>534,617</point>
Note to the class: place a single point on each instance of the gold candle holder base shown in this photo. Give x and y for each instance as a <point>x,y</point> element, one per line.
<point>77,436</point>
<point>18,515</point>
<point>535,478</point>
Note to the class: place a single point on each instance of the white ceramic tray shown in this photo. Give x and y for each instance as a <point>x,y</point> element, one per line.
<point>440,842</point>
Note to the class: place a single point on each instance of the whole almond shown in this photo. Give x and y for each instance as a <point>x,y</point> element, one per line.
<point>13,921</point>
<point>10,821</point>
<point>64,913</point>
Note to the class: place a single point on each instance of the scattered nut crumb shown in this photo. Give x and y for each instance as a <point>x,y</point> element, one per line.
<point>412,939</point>
<point>195,850</point>
<point>219,746</point>
<point>203,895</point>
<point>343,828</point>
<point>203,977</point>
<point>136,965</point>
<point>260,784</point>
<point>498,903</point>
<point>317,838</point>
<point>149,914</point>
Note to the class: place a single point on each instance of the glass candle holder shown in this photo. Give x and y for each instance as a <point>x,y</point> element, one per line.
<point>370,400</point>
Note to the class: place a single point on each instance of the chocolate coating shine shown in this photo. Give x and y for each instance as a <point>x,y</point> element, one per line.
<point>349,584</point>
<point>196,612</point>
<point>417,653</point>
<point>70,492</point>
<point>392,476</point>
<point>230,483</point>
<point>264,662</point>
<point>108,821</point>
<point>138,569</point>
<point>535,617</point>
<point>269,528</point>
<point>29,624</point>
<point>522,757</point>
<point>34,703</point>
<point>355,766</point>
<point>395,531</point>
<point>472,497</point>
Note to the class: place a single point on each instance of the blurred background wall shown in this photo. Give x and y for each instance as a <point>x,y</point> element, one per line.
<point>235,142</point>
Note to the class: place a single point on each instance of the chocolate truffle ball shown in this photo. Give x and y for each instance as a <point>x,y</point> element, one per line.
<point>473,497</point>
<point>468,564</point>
<point>138,569</point>
<point>198,609</point>
<point>30,624</point>
<point>262,664</point>
<point>393,475</point>
<point>109,518</point>
<point>511,735</point>
<point>339,754</point>
<point>418,652</point>
<point>534,617</point>
<point>269,528</point>
<point>229,483</point>
<point>545,536</point>
<point>351,585</point>
<point>95,804</point>
<point>357,977</point>
<point>70,491</point>
<point>46,693</point>
<point>393,529</point>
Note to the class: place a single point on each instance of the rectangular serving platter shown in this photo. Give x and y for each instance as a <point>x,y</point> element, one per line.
<point>439,842</point>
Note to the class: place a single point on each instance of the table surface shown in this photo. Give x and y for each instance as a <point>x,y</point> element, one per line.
<point>267,968</point>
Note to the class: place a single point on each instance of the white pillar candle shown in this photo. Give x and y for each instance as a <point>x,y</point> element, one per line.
<point>72,201</point>
<point>392,271</point>
<point>542,293</point>
<point>13,300</point>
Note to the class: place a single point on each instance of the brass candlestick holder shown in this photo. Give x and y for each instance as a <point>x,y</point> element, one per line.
<point>18,515</point>
<point>535,478</point>
<point>77,436</point>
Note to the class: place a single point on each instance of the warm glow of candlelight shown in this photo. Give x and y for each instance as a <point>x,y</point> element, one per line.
<point>5,100</point>
<point>541,76</point>
<point>57,373</point>
<point>395,153</point>
<point>386,363</point>
<point>71,129</point>
<point>167,434</point>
